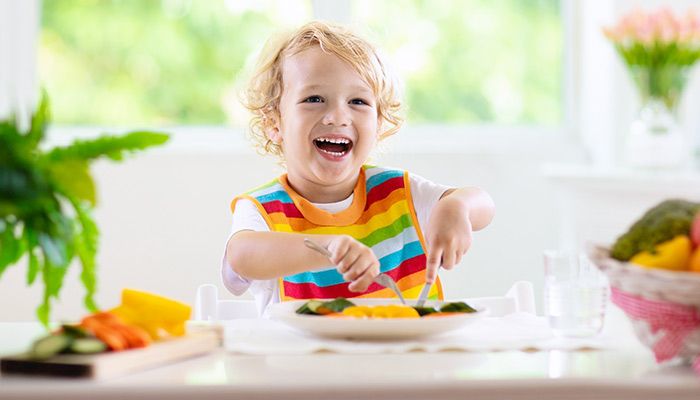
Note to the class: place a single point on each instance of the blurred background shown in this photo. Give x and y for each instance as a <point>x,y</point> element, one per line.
<point>526,99</point>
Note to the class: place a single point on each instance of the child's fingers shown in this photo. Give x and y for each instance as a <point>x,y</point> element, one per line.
<point>339,248</point>
<point>358,268</point>
<point>433,263</point>
<point>347,260</point>
<point>365,279</point>
<point>448,259</point>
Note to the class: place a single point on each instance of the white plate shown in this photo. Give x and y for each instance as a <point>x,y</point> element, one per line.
<point>376,329</point>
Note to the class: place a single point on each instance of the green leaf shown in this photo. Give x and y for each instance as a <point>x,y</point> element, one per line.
<point>32,243</point>
<point>86,248</point>
<point>39,120</point>
<point>43,311</point>
<point>54,249</point>
<point>113,147</point>
<point>72,177</point>
<point>11,247</point>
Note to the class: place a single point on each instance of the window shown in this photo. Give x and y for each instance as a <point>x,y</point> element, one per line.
<point>180,62</point>
<point>473,61</point>
<point>169,62</point>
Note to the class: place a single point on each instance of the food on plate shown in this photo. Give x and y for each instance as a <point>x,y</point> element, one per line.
<point>140,319</point>
<point>388,311</point>
<point>665,237</point>
<point>341,307</point>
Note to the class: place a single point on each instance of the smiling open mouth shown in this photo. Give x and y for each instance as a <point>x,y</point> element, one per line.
<point>336,147</point>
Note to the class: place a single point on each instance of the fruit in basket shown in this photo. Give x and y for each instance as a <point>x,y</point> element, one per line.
<point>695,231</point>
<point>660,224</point>
<point>673,254</point>
<point>694,263</point>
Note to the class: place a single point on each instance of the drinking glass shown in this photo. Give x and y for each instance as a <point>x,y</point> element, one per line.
<point>575,294</point>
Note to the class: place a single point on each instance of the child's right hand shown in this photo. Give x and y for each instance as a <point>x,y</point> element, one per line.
<point>355,261</point>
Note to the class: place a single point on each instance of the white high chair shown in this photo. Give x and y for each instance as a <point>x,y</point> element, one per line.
<point>209,307</point>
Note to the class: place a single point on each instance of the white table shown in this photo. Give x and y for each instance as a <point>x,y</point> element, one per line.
<point>627,372</point>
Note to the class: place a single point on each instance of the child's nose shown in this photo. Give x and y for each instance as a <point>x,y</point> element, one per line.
<point>337,115</point>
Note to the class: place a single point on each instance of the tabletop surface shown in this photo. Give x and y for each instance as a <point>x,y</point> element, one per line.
<point>625,372</point>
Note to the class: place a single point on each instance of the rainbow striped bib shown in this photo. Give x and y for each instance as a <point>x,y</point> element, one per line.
<point>381,216</point>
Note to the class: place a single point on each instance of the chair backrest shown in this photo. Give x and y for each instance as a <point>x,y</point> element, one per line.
<point>209,307</point>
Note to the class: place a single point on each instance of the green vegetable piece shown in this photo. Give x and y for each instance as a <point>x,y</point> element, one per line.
<point>661,223</point>
<point>333,306</point>
<point>458,306</point>
<point>310,307</point>
<point>49,346</point>
<point>74,331</point>
<point>88,345</point>
<point>425,310</point>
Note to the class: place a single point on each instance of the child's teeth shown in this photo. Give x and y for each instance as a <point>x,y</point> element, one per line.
<point>333,153</point>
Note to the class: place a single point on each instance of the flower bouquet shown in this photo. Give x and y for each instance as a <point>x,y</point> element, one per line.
<point>658,48</point>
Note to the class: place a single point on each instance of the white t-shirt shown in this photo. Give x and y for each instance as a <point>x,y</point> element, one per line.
<point>246,216</point>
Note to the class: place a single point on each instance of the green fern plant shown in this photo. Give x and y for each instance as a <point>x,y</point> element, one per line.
<point>46,202</point>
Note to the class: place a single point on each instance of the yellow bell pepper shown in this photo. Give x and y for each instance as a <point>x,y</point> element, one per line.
<point>694,263</point>
<point>673,254</point>
<point>157,315</point>
<point>388,311</point>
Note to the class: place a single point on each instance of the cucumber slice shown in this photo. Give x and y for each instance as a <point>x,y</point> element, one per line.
<point>50,345</point>
<point>88,345</point>
<point>458,306</point>
<point>313,305</point>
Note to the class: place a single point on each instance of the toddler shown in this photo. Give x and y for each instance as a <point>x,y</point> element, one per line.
<point>322,98</point>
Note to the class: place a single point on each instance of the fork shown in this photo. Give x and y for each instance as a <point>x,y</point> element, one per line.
<point>381,279</point>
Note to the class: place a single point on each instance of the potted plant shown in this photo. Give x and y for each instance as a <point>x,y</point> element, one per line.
<point>46,202</point>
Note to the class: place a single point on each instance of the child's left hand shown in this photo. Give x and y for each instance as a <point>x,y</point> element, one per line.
<point>448,236</point>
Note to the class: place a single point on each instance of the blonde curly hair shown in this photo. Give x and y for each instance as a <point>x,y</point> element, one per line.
<point>264,91</point>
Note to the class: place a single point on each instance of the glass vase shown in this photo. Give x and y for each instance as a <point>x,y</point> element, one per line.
<point>655,139</point>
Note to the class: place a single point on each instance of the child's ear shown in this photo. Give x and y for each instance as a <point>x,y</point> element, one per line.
<point>273,134</point>
<point>273,131</point>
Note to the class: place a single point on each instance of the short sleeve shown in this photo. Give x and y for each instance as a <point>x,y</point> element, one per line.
<point>425,194</point>
<point>246,217</point>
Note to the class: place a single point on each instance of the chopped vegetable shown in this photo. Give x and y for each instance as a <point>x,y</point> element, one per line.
<point>423,311</point>
<point>343,307</point>
<point>318,307</point>
<point>458,306</point>
<point>159,316</point>
<point>88,345</point>
<point>337,305</point>
<point>49,346</point>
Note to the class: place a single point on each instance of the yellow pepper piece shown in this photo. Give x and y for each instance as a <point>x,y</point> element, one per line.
<point>389,311</point>
<point>157,315</point>
<point>358,311</point>
<point>673,254</point>
<point>694,263</point>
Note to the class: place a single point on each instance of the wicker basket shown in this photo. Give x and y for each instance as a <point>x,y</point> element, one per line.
<point>669,300</point>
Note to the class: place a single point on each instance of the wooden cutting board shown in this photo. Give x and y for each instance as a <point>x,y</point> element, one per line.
<point>112,364</point>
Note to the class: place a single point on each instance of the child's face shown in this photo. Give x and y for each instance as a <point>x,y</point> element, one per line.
<point>328,120</point>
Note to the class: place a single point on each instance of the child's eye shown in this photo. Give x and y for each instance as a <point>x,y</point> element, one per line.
<point>313,99</point>
<point>358,102</point>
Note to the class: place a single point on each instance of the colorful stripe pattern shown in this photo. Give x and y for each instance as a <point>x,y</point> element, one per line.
<point>383,219</point>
